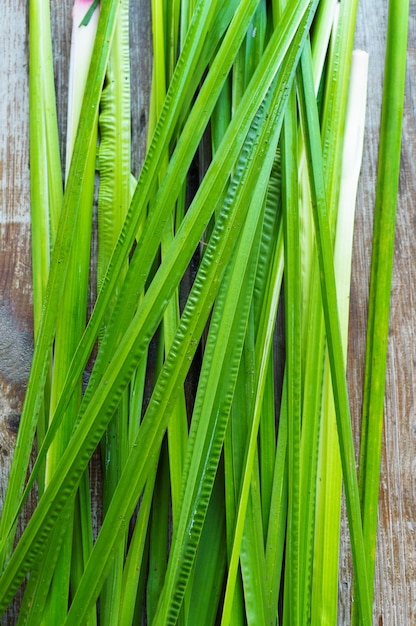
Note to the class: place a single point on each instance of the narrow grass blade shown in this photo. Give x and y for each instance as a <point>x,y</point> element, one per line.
<point>292,285</point>
<point>114,163</point>
<point>381,271</point>
<point>46,179</point>
<point>46,185</point>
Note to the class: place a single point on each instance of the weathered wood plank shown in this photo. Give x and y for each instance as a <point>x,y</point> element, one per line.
<point>396,558</point>
<point>15,291</point>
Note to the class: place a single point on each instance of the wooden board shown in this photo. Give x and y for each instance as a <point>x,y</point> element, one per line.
<point>396,557</point>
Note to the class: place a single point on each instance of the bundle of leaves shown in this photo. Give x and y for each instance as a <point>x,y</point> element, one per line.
<point>216,345</point>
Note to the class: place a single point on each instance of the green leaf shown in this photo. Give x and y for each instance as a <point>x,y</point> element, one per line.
<point>89,13</point>
<point>292,285</point>
<point>381,271</point>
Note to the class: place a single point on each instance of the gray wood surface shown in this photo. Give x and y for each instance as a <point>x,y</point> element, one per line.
<point>395,602</point>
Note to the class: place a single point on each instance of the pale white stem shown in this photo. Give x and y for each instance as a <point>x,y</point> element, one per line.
<point>351,166</point>
<point>82,44</point>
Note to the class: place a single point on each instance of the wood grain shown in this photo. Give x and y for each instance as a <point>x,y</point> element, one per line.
<point>15,291</point>
<point>395,602</point>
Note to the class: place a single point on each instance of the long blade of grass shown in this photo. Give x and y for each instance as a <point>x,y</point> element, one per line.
<point>381,271</point>
<point>252,552</point>
<point>46,184</point>
<point>114,163</point>
<point>178,427</point>
<point>292,284</point>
